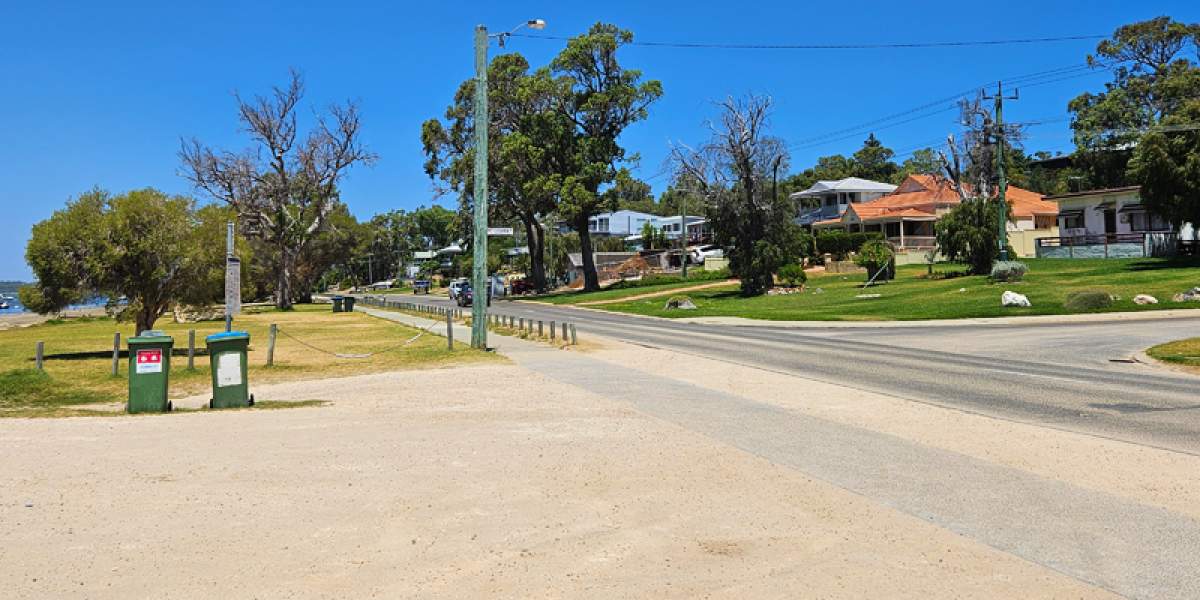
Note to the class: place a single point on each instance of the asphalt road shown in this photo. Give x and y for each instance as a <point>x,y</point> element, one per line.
<point>1059,375</point>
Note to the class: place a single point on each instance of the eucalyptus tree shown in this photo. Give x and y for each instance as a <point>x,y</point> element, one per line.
<point>284,189</point>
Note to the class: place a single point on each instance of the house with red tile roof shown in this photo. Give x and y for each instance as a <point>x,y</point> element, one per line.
<point>906,216</point>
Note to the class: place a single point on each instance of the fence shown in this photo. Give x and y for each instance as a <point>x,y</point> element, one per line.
<point>1109,245</point>
<point>526,327</point>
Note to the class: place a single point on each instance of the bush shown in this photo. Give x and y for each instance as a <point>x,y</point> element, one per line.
<point>1009,270</point>
<point>874,256</point>
<point>792,275</point>
<point>1088,300</point>
<point>840,243</point>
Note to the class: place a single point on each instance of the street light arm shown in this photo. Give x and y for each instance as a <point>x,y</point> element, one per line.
<point>532,24</point>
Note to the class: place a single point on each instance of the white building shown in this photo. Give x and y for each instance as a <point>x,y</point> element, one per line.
<point>619,223</point>
<point>835,196</point>
<point>1110,223</point>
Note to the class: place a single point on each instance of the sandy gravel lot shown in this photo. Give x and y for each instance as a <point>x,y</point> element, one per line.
<point>483,481</point>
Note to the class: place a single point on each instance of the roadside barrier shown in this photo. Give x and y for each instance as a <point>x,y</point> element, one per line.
<point>522,325</point>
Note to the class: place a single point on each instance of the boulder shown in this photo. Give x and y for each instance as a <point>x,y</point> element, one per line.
<point>1192,295</point>
<point>680,303</point>
<point>1145,299</point>
<point>1010,298</point>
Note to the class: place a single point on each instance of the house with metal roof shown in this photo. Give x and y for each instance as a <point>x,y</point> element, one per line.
<point>1111,223</point>
<point>833,197</point>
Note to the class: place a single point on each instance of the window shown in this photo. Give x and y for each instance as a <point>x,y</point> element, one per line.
<point>1071,220</point>
<point>603,225</point>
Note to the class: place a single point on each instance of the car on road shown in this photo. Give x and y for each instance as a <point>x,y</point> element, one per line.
<point>697,254</point>
<point>456,286</point>
<point>466,296</point>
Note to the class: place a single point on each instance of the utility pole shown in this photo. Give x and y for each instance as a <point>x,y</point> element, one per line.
<point>480,283</point>
<point>1002,183</point>
<point>479,266</point>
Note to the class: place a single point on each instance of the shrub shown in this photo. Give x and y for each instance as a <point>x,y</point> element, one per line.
<point>874,256</point>
<point>840,243</point>
<point>1088,300</point>
<point>1009,270</point>
<point>792,275</point>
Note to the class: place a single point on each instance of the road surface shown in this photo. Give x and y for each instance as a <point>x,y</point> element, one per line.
<point>1062,375</point>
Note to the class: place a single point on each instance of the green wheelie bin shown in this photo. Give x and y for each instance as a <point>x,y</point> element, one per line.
<point>227,355</point>
<point>349,300</point>
<point>149,371</point>
<point>337,303</point>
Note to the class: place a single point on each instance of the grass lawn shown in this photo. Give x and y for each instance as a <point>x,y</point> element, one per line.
<point>656,283</point>
<point>1183,352</point>
<point>911,296</point>
<point>79,356</point>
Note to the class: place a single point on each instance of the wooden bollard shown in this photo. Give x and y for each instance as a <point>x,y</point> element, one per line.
<point>540,331</point>
<point>191,349</point>
<point>552,330</point>
<point>574,339</point>
<point>116,363</point>
<point>564,333</point>
<point>271,344</point>
<point>39,353</point>
<point>449,332</point>
<point>522,326</point>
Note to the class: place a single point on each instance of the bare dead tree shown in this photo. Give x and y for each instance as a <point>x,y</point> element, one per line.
<point>733,171</point>
<point>971,166</point>
<point>285,188</point>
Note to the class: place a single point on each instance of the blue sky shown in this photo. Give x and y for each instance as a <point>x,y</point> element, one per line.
<point>99,94</point>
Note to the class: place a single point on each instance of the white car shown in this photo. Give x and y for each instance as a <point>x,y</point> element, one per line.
<point>699,253</point>
<point>456,286</point>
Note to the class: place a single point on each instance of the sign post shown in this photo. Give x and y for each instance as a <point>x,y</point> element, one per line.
<point>233,280</point>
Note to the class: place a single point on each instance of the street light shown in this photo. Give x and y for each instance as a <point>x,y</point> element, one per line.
<point>480,279</point>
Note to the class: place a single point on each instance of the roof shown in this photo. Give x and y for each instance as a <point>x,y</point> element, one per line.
<point>849,184</point>
<point>920,197</point>
<point>1100,192</point>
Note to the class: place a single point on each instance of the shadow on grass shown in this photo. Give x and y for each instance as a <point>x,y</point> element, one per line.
<point>1178,262</point>
<point>122,354</point>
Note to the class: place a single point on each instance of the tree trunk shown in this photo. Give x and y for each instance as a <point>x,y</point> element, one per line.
<point>536,239</point>
<point>591,282</point>
<point>146,316</point>
<point>283,280</point>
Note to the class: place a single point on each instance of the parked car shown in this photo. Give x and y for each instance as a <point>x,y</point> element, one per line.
<point>699,253</point>
<point>466,297</point>
<point>522,286</point>
<point>456,286</point>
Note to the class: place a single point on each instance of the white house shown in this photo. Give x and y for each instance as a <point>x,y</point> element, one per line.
<point>1109,223</point>
<point>619,223</point>
<point>835,196</point>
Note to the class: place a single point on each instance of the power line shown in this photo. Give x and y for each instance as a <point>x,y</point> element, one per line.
<point>876,46</point>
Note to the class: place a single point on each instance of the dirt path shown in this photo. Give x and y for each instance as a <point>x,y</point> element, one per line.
<point>499,480</point>
<point>670,292</point>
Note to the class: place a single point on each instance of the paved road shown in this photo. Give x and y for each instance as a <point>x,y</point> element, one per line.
<point>1060,375</point>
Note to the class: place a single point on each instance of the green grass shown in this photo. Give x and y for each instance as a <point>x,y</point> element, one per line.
<point>912,296</point>
<point>78,364</point>
<point>646,285</point>
<point>1182,352</point>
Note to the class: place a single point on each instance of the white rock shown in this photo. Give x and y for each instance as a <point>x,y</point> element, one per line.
<point>1145,299</point>
<point>1010,298</point>
<point>680,303</point>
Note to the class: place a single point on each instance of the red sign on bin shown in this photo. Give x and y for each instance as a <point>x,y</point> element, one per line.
<point>149,361</point>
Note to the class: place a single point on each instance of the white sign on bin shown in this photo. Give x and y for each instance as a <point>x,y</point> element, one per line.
<point>500,230</point>
<point>148,361</point>
<point>229,369</point>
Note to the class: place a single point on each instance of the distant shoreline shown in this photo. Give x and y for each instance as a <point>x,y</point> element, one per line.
<point>25,319</point>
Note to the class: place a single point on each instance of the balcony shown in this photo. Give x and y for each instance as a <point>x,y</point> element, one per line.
<point>914,242</point>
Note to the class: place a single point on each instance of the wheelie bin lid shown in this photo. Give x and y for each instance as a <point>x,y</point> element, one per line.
<point>151,336</point>
<point>227,335</point>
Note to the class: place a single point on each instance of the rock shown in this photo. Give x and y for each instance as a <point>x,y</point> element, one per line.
<point>1192,295</point>
<point>961,290</point>
<point>784,291</point>
<point>1010,298</point>
<point>1145,299</point>
<point>680,303</point>
<point>868,296</point>
<point>818,291</point>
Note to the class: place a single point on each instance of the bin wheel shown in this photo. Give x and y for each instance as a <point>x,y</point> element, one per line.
<point>251,399</point>
<point>210,404</point>
<point>169,406</point>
